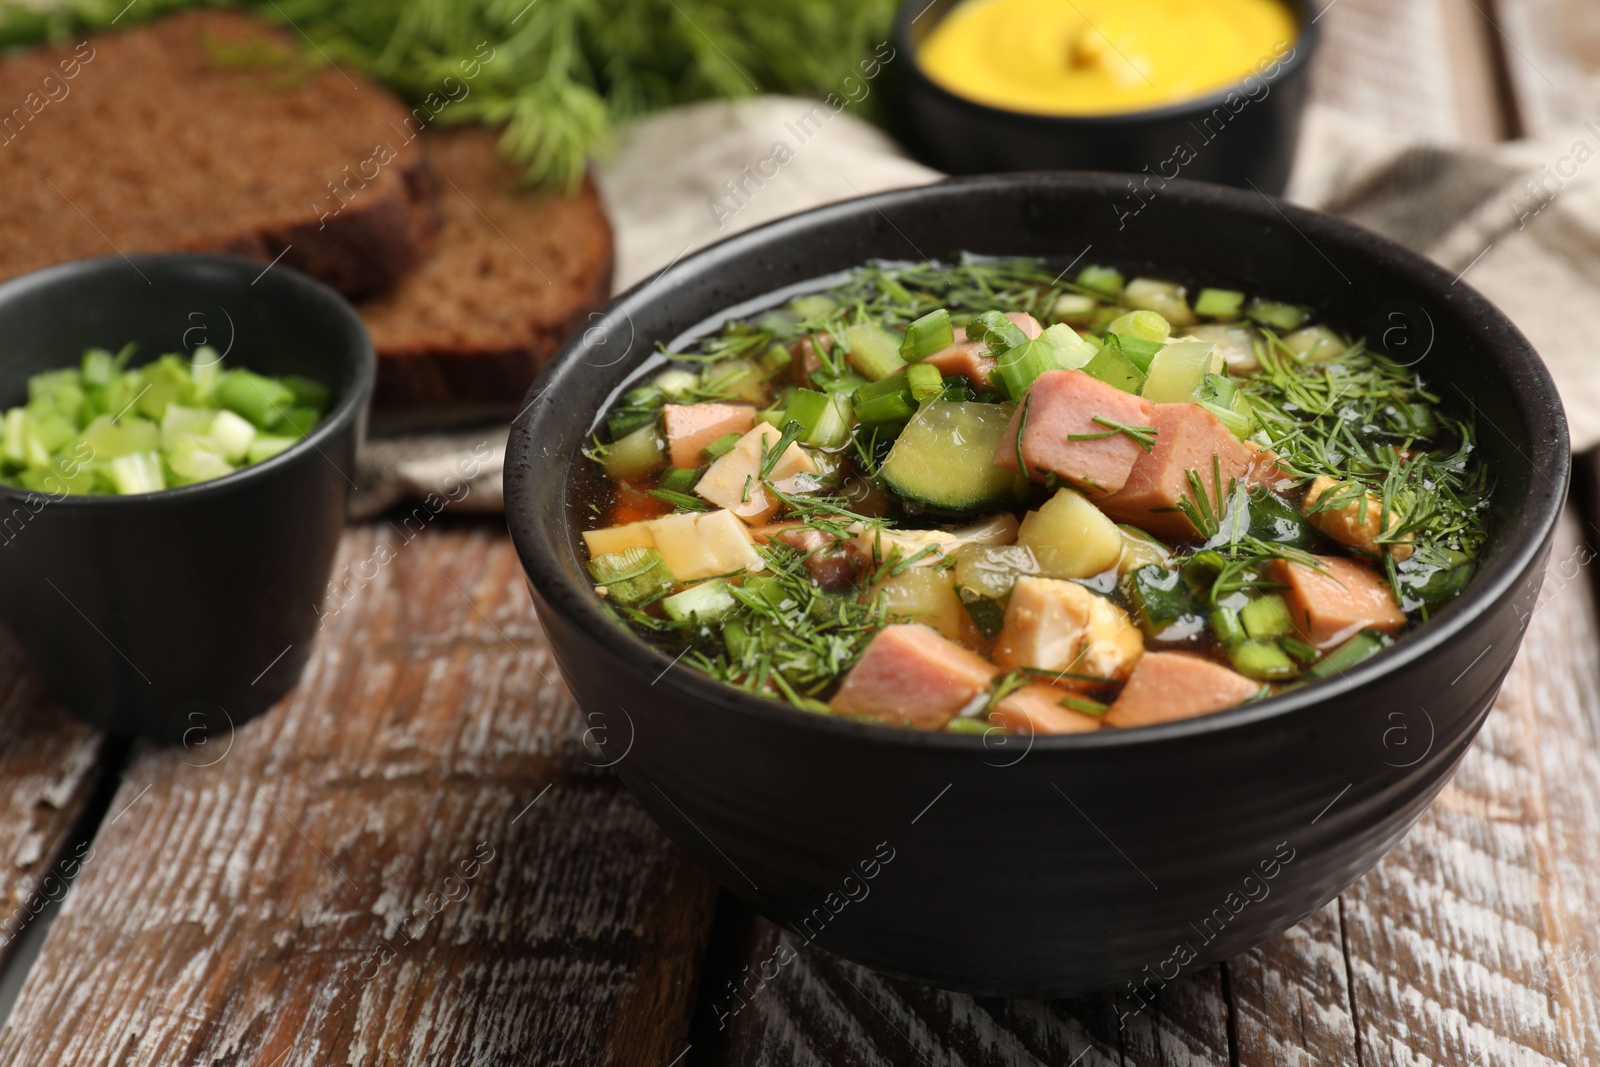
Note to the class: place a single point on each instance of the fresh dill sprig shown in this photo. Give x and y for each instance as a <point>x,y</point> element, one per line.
<point>1143,436</point>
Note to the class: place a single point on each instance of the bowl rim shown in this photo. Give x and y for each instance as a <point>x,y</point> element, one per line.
<point>1526,540</point>
<point>304,288</point>
<point>1308,35</point>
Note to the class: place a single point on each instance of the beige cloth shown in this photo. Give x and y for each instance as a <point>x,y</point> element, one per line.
<point>1522,220</point>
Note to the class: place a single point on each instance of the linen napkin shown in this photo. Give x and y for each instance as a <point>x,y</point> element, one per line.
<point>1518,221</point>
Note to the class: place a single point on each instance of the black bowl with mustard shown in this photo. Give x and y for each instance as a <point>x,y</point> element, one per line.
<point>1211,92</point>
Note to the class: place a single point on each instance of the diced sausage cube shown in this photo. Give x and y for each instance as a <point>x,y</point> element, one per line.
<point>970,359</point>
<point>1056,625</point>
<point>1036,709</point>
<point>1355,524</point>
<point>1168,686</point>
<point>1333,604</point>
<point>1188,438</point>
<point>734,480</point>
<point>911,676</point>
<point>1064,403</point>
<point>691,427</point>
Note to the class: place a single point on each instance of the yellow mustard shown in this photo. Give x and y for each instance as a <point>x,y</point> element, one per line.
<point>1095,57</point>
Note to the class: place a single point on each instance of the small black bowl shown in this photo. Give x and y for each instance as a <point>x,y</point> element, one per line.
<point>1242,135</point>
<point>1037,868</point>
<point>180,613</point>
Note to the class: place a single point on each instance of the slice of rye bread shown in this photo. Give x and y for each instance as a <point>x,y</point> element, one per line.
<point>208,132</point>
<point>512,275</point>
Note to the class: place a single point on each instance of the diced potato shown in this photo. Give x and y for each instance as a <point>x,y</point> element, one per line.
<point>1070,537</point>
<point>876,543</point>
<point>926,595</point>
<point>1060,626</point>
<point>697,545</point>
<point>616,538</point>
<point>1164,298</point>
<point>734,480</point>
<point>1315,343</point>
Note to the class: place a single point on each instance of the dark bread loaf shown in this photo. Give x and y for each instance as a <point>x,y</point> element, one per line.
<point>512,274</point>
<point>208,132</point>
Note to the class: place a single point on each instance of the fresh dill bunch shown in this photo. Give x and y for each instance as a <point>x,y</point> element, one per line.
<point>564,73</point>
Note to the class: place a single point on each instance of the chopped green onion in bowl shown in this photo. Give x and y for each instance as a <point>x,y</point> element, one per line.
<point>105,428</point>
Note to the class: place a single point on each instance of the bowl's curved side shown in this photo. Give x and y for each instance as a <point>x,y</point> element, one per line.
<point>191,609</point>
<point>1093,856</point>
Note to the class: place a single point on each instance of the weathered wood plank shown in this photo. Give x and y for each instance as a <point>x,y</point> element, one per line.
<point>1421,68</point>
<point>408,861</point>
<point>1552,58</point>
<point>821,1011</point>
<point>49,766</point>
<point>1291,998</point>
<point>1474,942</point>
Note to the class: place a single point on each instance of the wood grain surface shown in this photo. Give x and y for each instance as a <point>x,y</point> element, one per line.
<point>409,861</point>
<point>49,766</point>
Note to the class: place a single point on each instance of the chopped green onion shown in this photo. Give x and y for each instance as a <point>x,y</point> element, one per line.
<point>925,381</point>
<point>1362,645</point>
<point>679,480</point>
<point>996,331</point>
<point>722,445</point>
<point>261,400</point>
<point>824,418</point>
<point>1141,352</point>
<point>137,472</point>
<point>1017,367</point>
<point>1226,625</point>
<point>927,335</point>
<point>1074,308</point>
<point>1219,303</point>
<point>1279,316</point>
<point>1111,366</point>
<point>1145,325</point>
<point>1106,281</point>
<point>1072,702</point>
<point>886,410</point>
<point>1262,660</point>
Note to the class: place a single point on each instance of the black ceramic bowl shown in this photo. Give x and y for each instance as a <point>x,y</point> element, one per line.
<point>177,614</point>
<point>1068,862</point>
<point>1242,135</point>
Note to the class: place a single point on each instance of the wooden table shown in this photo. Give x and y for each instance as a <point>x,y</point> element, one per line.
<point>415,860</point>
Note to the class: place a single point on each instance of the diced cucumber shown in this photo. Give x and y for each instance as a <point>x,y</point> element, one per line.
<point>1276,522</point>
<point>927,335</point>
<point>944,458</point>
<point>1106,281</point>
<point>1280,316</point>
<point>1219,303</point>
<point>631,575</point>
<point>640,452</point>
<point>1160,597</point>
<point>874,351</point>
<point>1178,369</point>
<point>1111,366</point>
<point>985,575</point>
<point>1145,325</point>
<point>1164,298</point>
<point>706,602</point>
<point>1226,625</point>
<point>1267,616</point>
<point>1262,660</point>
